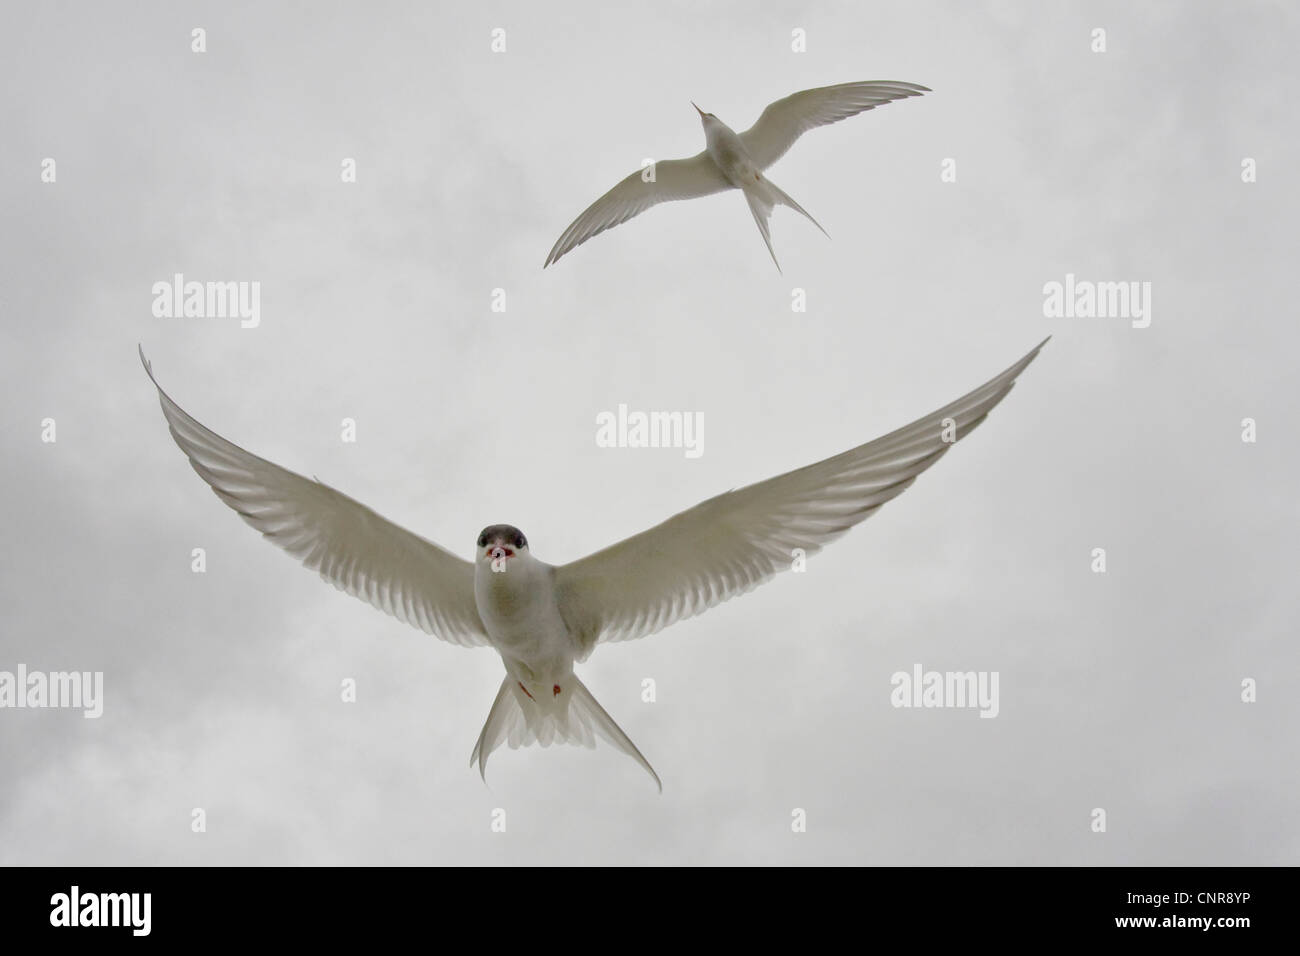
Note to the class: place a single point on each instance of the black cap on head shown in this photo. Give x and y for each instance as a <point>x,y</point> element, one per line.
<point>507,534</point>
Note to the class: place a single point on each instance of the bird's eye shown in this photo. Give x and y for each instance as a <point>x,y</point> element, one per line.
<point>521,541</point>
<point>482,540</point>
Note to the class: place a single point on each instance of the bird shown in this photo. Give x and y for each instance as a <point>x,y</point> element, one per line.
<point>734,160</point>
<point>542,619</point>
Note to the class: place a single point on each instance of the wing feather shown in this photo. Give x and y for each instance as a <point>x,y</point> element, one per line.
<point>352,547</point>
<point>787,119</point>
<point>675,179</point>
<point>731,543</point>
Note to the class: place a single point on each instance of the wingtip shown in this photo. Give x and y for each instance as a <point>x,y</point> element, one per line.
<point>1029,357</point>
<point>913,89</point>
<point>645,765</point>
<point>477,758</point>
<point>148,366</point>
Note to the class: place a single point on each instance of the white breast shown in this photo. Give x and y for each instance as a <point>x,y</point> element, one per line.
<point>520,614</point>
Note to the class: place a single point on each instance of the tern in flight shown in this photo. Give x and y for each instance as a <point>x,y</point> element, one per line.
<point>733,160</point>
<point>543,618</point>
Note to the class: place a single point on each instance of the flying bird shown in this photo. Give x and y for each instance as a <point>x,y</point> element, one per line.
<point>543,618</point>
<point>734,160</point>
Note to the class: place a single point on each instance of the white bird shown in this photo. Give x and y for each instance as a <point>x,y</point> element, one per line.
<point>543,618</point>
<point>734,161</point>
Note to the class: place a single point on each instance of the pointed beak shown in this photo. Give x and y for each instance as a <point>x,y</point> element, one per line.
<point>496,552</point>
<point>698,110</point>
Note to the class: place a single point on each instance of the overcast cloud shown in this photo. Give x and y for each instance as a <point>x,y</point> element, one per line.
<point>1119,691</point>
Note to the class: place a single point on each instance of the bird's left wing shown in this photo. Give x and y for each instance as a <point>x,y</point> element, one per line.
<point>787,119</point>
<point>674,179</point>
<point>730,544</point>
<point>352,547</point>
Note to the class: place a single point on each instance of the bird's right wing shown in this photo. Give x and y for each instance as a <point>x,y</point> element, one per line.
<point>673,179</point>
<point>352,547</point>
<point>736,541</point>
<point>787,119</point>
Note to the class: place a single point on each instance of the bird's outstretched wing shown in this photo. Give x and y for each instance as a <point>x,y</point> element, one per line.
<point>728,545</point>
<point>786,120</point>
<point>352,547</point>
<point>673,179</point>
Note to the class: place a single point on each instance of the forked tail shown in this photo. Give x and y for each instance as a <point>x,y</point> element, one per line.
<point>519,721</point>
<point>763,196</point>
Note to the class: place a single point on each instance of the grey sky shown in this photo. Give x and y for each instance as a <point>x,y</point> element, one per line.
<point>1118,691</point>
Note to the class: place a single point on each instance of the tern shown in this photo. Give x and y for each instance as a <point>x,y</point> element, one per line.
<point>543,619</point>
<point>734,160</point>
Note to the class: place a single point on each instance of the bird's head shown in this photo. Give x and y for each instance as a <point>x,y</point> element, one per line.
<point>708,119</point>
<point>501,545</point>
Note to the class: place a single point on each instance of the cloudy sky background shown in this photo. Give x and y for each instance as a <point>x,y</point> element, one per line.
<point>1118,691</point>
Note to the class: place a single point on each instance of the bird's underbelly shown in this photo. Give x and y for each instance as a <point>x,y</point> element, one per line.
<point>736,165</point>
<point>525,627</point>
<point>536,650</point>
<point>540,664</point>
<point>526,643</point>
<point>741,172</point>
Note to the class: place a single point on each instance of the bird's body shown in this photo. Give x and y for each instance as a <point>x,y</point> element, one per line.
<point>728,152</point>
<point>522,619</point>
<point>540,700</point>
<point>542,619</point>
<point>733,160</point>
